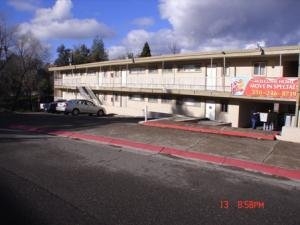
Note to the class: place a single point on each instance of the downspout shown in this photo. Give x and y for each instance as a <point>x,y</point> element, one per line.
<point>87,82</point>
<point>224,71</point>
<point>98,77</point>
<point>280,61</point>
<point>162,75</point>
<point>127,74</point>
<point>207,75</point>
<point>298,96</point>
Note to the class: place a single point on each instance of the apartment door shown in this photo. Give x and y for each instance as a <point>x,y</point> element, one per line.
<point>123,102</point>
<point>124,77</point>
<point>211,77</point>
<point>210,110</point>
<point>100,78</point>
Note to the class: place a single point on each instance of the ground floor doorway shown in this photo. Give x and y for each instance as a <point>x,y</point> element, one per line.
<point>210,110</point>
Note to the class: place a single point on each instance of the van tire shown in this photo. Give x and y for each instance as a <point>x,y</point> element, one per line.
<point>100,113</point>
<point>75,112</point>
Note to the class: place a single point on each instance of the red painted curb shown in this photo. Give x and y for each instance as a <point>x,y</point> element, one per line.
<point>137,145</point>
<point>194,155</point>
<point>90,137</point>
<point>271,136</point>
<point>220,160</point>
<point>263,168</point>
<point>239,163</point>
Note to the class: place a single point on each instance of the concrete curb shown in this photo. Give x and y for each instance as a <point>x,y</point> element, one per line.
<point>204,157</point>
<point>271,136</point>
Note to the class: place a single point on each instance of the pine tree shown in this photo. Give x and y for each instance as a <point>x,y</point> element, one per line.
<point>146,51</point>
<point>98,52</point>
<point>81,54</point>
<point>63,56</point>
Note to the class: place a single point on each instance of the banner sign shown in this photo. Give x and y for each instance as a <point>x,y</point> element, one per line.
<point>283,87</point>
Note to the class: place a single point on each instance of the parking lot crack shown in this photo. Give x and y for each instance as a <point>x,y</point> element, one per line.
<point>269,153</point>
<point>194,144</point>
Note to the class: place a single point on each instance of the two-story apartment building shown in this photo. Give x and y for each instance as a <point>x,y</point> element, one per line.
<point>221,85</point>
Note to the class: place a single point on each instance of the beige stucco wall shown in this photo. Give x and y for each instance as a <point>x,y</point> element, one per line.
<point>233,112</point>
<point>70,95</point>
<point>238,112</point>
<point>176,79</point>
<point>123,105</point>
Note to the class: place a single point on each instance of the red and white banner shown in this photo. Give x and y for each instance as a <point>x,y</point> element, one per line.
<point>283,87</point>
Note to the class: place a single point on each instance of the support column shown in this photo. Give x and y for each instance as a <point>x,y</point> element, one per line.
<point>86,80</point>
<point>224,71</point>
<point>280,60</point>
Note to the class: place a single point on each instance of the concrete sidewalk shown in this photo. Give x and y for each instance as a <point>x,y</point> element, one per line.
<point>213,129</point>
<point>269,157</point>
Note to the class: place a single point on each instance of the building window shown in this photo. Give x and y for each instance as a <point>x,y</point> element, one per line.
<point>58,76</point>
<point>166,99</point>
<point>168,68</point>
<point>226,70</point>
<point>189,102</point>
<point>224,107</point>
<point>105,74</point>
<point>152,99</point>
<point>117,73</point>
<point>117,97</point>
<point>137,70</point>
<point>260,68</point>
<point>190,68</point>
<point>153,69</point>
<point>136,98</point>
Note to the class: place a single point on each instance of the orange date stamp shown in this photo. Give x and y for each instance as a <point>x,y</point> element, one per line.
<point>242,204</point>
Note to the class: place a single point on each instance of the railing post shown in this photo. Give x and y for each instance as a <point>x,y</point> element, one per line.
<point>145,113</point>
<point>224,71</point>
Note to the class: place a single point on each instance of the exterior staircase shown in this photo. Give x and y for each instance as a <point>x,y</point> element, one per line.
<point>87,93</point>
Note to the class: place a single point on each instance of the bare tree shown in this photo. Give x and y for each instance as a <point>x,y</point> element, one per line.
<point>21,57</point>
<point>28,59</point>
<point>173,47</point>
<point>6,37</point>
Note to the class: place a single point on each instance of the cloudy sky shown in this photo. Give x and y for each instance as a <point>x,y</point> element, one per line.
<point>125,25</point>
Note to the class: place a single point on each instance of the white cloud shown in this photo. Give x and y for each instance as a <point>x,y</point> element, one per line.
<point>143,22</point>
<point>160,42</point>
<point>198,25</point>
<point>211,24</point>
<point>194,25</point>
<point>116,52</point>
<point>255,45</point>
<point>58,22</point>
<point>59,12</point>
<point>21,5</point>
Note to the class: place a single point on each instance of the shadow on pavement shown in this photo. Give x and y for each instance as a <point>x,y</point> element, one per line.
<point>62,122</point>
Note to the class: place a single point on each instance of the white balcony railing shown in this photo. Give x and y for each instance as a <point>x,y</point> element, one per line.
<point>154,84</point>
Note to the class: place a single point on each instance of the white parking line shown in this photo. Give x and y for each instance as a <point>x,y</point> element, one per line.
<point>23,136</point>
<point>11,130</point>
<point>15,134</point>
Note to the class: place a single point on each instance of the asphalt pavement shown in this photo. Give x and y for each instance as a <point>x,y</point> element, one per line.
<point>272,157</point>
<point>47,179</point>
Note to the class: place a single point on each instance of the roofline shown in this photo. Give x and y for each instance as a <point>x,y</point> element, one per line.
<point>188,56</point>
